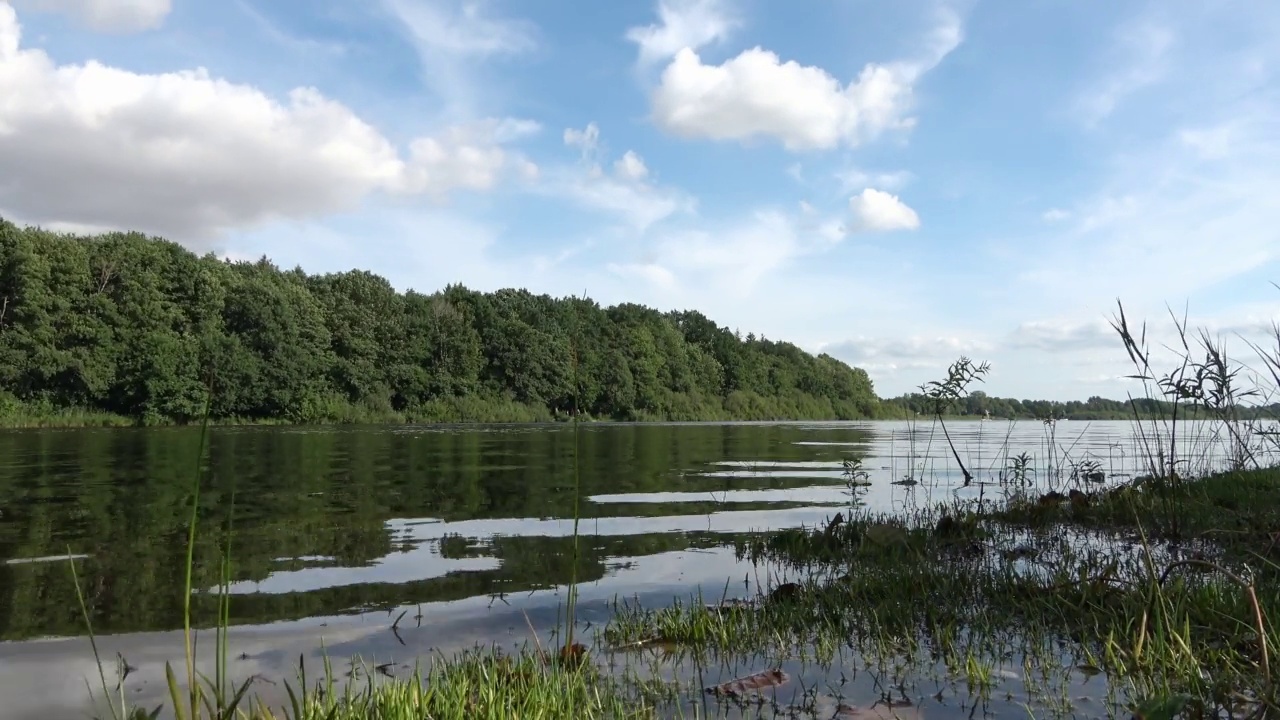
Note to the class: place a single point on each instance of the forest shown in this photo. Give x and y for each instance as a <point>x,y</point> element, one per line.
<point>140,328</point>
<point>122,328</point>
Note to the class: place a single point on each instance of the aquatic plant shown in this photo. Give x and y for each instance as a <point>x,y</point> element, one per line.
<point>960,375</point>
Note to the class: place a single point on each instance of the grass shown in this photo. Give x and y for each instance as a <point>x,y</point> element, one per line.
<point>964,588</point>
<point>472,685</point>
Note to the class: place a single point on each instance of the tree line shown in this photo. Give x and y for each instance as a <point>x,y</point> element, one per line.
<point>126,328</point>
<point>980,404</point>
<point>140,328</point>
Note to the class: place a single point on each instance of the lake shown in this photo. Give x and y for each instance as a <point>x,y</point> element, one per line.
<point>467,531</point>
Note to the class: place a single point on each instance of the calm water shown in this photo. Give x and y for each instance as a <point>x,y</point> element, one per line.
<point>469,529</point>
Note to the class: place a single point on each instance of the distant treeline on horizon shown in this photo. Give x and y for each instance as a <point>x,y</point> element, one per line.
<point>138,329</point>
<point>979,404</point>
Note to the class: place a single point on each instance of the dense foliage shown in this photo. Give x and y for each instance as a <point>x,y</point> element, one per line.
<point>136,327</point>
<point>126,328</point>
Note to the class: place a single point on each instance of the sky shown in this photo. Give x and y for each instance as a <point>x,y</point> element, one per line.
<point>896,184</point>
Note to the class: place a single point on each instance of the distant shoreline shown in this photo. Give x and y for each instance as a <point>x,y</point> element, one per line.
<point>81,419</point>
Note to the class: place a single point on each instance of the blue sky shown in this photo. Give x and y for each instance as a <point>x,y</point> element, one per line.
<point>894,183</point>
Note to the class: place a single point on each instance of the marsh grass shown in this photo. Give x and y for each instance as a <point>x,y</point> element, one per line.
<point>484,684</point>
<point>962,591</point>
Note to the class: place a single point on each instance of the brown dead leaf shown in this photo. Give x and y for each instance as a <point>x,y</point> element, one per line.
<point>750,683</point>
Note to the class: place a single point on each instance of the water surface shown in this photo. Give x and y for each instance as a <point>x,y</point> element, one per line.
<point>467,530</point>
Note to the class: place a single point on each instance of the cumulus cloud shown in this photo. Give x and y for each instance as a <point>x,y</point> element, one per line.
<point>630,167</point>
<point>758,95</point>
<point>188,155</point>
<point>587,140</point>
<point>682,24</point>
<point>466,156</point>
<point>878,211</point>
<point>109,16</point>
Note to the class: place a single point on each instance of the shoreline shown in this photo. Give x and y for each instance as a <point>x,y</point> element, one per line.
<point>89,420</point>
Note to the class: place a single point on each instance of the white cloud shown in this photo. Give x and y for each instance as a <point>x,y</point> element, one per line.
<point>587,139</point>
<point>1055,215</point>
<point>188,155</point>
<point>466,156</point>
<point>630,167</point>
<point>683,24</point>
<point>878,211</point>
<point>756,94</point>
<point>111,16</point>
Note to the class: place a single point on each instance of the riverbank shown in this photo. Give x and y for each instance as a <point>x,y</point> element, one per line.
<point>478,410</point>
<point>747,407</point>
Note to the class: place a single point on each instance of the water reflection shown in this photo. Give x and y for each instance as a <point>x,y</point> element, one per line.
<point>349,524</point>
<point>345,519</point>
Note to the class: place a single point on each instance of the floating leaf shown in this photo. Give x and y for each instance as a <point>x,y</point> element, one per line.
<point>744,685</point>
<point>573,653</point>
